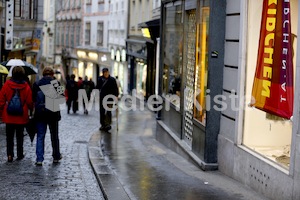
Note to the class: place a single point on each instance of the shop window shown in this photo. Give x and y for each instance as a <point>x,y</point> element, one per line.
<point>173,49</point>
<point>201,66</point>
<point>89,70</point>
<point>81,69</point>
<point>141,77</point>
<point>267,134</point>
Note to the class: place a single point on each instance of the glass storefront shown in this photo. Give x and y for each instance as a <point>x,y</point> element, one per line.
<point>118,72</point>
<point>173,49</point>
<point>80,70</point>
<point>89,70</point>
<point>267,134</point>
<point>141,78</point>
<point>202,61</point>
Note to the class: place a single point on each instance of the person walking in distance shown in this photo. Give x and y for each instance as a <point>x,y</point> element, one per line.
<point>44,118</point>
<point>15,100</point>
<point>72,89</point>
<point>107,85</point>
<point>88,86</point>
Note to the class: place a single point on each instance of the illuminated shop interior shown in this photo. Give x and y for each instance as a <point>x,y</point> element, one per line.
<point>264,133</point>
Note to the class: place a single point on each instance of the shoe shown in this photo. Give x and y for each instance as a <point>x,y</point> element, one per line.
<point>20,157</point>
<point>57,160</point>
<point>107,128</point>
<point>39,163</point>
<point>9,158</point>
<point>102,128</point>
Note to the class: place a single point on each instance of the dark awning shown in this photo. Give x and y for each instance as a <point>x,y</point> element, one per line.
<point>150,24</point>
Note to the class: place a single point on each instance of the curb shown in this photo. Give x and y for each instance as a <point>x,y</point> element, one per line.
<point>170,140</point>
<point>110,186</point>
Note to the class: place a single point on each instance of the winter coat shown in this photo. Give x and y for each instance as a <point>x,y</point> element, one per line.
<point>7,92</point>
<point>49,115</point>
<point>72,89</point>
<point>107,86</point>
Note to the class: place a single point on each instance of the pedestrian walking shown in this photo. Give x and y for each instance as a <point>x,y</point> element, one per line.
<point>88,86</point>
<point>107,85</point>
<point>15,100</point>
<point>80,82</point>
<point>72,89</point>
<point>44,118</point>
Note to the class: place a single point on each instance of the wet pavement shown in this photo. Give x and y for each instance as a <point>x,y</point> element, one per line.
<point>131,164</point>
<point>148,170</point>
<point>73,178</point>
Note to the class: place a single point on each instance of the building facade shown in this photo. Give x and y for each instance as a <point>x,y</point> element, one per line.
<point>137,48</point>
<point>117,31</point>
<point>93,53</point>
<point>26,36</point>
<point>47,58</point>
<point>68,35</point>
<point>191,71</point>
<point>256,148</point>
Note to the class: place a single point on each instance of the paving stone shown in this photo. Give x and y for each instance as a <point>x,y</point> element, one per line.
<point>72,178</point>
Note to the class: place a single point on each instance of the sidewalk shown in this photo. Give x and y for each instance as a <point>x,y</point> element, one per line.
<point>71,178</point>
<point>131,164</point>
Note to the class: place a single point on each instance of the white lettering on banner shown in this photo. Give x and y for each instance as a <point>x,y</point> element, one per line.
<point>285,50</point>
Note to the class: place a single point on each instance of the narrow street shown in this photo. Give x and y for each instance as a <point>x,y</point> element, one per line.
<point>143,168</point>
<point>72,178</point>
<point>147,170</point>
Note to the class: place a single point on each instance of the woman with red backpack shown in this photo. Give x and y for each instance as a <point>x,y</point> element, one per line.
<point>15,100</point>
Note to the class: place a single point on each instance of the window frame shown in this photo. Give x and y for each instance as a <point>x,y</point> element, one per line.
<point>87,33</point>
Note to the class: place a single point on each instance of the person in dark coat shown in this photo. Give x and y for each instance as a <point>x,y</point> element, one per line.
<point>72,89</point>
<point>45,118</point>
<point>107,85</point>
<point>15,123</point>
<point>88,86</point>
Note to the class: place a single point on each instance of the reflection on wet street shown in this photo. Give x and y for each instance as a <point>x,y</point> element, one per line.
<point>141,165</point>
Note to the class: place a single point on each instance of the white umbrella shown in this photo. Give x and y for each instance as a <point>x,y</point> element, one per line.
<point>29,68</point>
<point>16,62</point>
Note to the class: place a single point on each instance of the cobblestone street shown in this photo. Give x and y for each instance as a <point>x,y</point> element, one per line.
<point>72,178</point>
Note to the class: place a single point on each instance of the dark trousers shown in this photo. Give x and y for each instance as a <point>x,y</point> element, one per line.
<point>71,102</point>
<point>105,116</point>
<point>10,132</point>
<point>40,142</point>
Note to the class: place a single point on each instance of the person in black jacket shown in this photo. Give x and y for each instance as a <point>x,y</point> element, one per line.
<point>72,90</point>
<point>107,85</point>
<point>45,117</point>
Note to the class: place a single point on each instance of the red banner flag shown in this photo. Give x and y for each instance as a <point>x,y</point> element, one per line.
<point>273,90</point>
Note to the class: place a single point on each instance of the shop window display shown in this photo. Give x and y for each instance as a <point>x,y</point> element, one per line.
<point>89,70</point>
<point>141,78</point>
<point>264,133</point>
<point>202,61</point>
<point>173,49</point>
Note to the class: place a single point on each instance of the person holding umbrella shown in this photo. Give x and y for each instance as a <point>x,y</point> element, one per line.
<point>15,100</point>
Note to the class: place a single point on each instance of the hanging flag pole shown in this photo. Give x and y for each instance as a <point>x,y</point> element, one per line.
<point>273,90</point>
